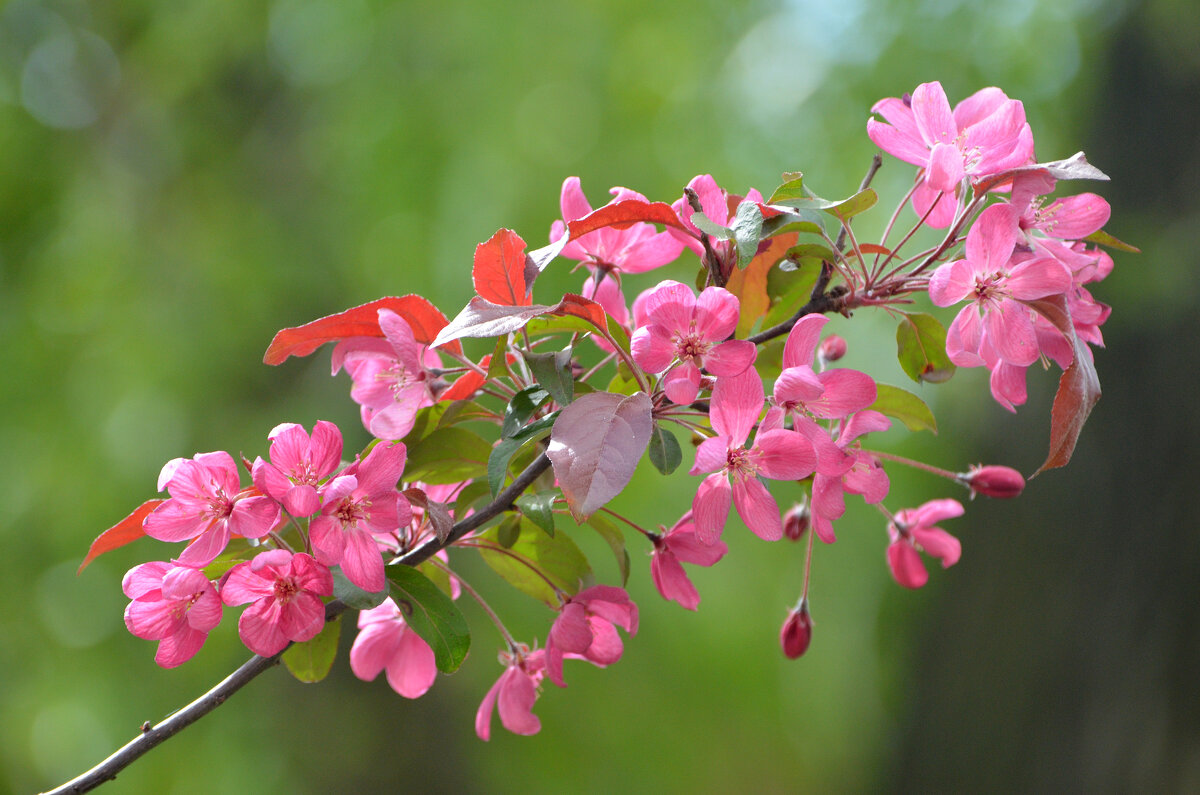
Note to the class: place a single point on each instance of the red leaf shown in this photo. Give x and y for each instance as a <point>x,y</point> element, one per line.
<point>1078,388</point>
<point>578,306</point>
<point>499,271</point>
<point>120,534</point>
<point>360,321</point>
<point>872,248</point>
<point>624,214</point>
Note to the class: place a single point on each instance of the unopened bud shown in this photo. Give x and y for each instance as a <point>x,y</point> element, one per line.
<point>797,631</point>
<point>994,481</point>
<point>832,348</point>
<point>796,521</point>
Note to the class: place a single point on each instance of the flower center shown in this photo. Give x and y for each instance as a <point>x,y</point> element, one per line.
<point>350,512</point>
<point>285,589</point>
<point>691,347</point>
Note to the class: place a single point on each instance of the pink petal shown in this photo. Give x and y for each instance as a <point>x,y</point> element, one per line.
<point>867,478</point>
<point>963,337</point>
<point>153,620</point>
<point>866,421</point>
<point>145,580</point>
<point>906,565</point>
<point>1009,328</point>
<point>180,647</point>
<point>736,403</point>
<point>671,306</point>
<point>400,335</point>
<point>943,206</point>
<point>174,521</point>
<point>182,583</point>
<point>951,283</point>
<point>571,632</point>
<point>935,511</point>
<point>945,168</point>
<point>606,647</point>
<point>730,358</point>
<point>938,543</point>
<point>362,562</point>
<point>682,384</point>
<point>413,668</point>
<point>374,648</point>
<point>672,581</point>
<point>783,455</point>
<point>328,540</point>
<point>652,252</point>
<point>206,547</point>
<point>483,716</point>
<point>652,348</point>
<point>831,459</point>
<point>326,448</point>
<point>253,517</point>
<point>205,612</point>
<point>381,469</point>
<point>303,617</point>
<point>710,507</point>
<point>300,501</point>
<point>906,146</point>
<point>1038,278</point>
<point>716,314</point>
<point>259,628</point>
<point>1075,217</point>
<point>572,201</point>
<point>515,703</point>
<point>242,585</point>
<point>797,386</point>
<point>991,240</point>
<point>802,341</point>
<point>758,508</point>
<point>686,546</point>
<point>931,110</point>
<point>978,106</point>
<point>828,497</point>
<point>846,391</point>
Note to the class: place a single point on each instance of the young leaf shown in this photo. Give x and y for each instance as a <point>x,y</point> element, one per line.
<point>553,373</point>
<point>521,408</point>
<point>432,615</point>
<point>791,189</point>
<point>502,453</point>
<point>556,559</point>
<point>611,533</point>
<point>1105,239</point>
<point>921,348</point>
<point>595,447</point>
<point>436,514</point>
<point>858,203</point>
<point>664,450</point>
<point>747,231</point>
<point>538,508</point>
<point>499,271</point>
<point>310,660</point>
<point>447,455</point>
<point>903,405</point>
<point>360,321</point>
<point>127,530</point>
<point>351,595</point>
<point>482,318</point>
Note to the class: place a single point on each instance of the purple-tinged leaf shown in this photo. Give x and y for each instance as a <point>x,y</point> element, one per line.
<point>436,513</point>
<point>1074,167</point>
<point>596,445</point>
<point>1078,388</point>
<point>482,318</point>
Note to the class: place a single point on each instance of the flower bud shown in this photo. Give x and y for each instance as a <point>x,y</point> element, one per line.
<point>832,348</point>
<point>796,521</point>
<point>797,631</point>
<point>994,481</point>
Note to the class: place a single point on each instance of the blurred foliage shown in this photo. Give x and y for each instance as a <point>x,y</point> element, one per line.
<point>180,180</point>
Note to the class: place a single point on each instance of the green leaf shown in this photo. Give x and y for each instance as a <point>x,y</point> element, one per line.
<point>921,348</point>
<point>521,408</point>
<point>793,188</point>
<point>448,455</point>
<point>432,615</point>
<point>811,250</point>
<point>557,559</point>
<point>904,406</point>
<point>664,450</point>
<point>502,453</point>
<point>310,660</point>
<point>1105,239</point>
<point>438,576</point>
<point>471,493</point>
<point>611,533</point>
<point>560,324</point>
<point>806,221</point>
<point>790,290</point>
<point>351,595</point>
<point>747,231</point>
<point>624,382</point>
<point>553,373</point>
<point>538,508</point>
<point>498,366</point>
<point>858,203</point>
<point>711,227</point>
<point>508,531</point>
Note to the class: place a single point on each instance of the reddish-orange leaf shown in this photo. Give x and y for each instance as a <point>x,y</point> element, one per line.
<point>749,284</point>
<point>360,321</point>
<point>120,534</point>
<point>499,271</point>
<point>623,214</point>
<point>579,306</point>
<point>874,248</point>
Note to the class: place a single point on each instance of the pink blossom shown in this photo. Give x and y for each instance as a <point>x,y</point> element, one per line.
<point>995,321</point>
<point>913,530</point>
<point>985,134</point>
<point>385,642</point>
<point>796,633</point>
<point>298,465</point>
<point>635,249</point>
<point>207,504</point>
<point>391,376</point>
<point>585,627</point>
<point>777,453</point>
<point>286,591</point>
<point>357,504</point>
<point>175,605</point>
<point>719,207</point>
<point>864,475</point>
<point>673,548</point>
<point>994,481</point>
<point>514,694</point>
<point>693,332</point>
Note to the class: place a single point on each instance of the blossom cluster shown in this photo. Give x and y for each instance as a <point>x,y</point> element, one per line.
<point>743,367</point>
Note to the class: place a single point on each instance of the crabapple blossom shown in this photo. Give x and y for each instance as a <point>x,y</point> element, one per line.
<point>796,633</point>
<point>208,505</point>
<point>585,627</point>
<point>692,331</point>
<point>673,548</point>
<point>175,605</point>
<point>985,134</point>
<point>286,591</point>
<point>864,475</point>
<point>999,482</point>
<point>385,642</point>
<point>776,453</point>
<point>914,529</point>
<point>513,694</point>
<point>358,504</point>
<point>298,464</point>
<point>719,207</point>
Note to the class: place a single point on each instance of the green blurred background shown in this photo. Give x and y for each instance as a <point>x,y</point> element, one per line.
<point>180,180</point>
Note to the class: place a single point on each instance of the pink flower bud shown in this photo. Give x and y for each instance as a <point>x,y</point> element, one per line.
<point>796,521</point>
<point>797,631</point>
<point>832,348</point>
<point>994,481</point>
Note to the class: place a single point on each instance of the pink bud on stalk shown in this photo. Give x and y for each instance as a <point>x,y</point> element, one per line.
<point>797,631</point>
<point>993,481</point>
<point>796,521</point>
<point>832,348</point>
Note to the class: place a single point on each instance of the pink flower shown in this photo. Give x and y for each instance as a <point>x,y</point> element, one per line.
<point>298,464</point>
<point>207,504</point>
<point>585,627</point>
<point>673,548</point>
<point>913,529</point>
<point>385,642</point>
<point>635,249</point>
<point>175,605</point>
<point>985,134</point>
<point>514,694</point>
<point>361,502</point>
<point>864,475</point>
<point>391,376</point>
<point>998,482</point>
<point>796,633</point>
<point>719,207</point>
<point>693,332</point>
<point>996,321</point>
<point>777,453</point>
<point>286,591</point>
